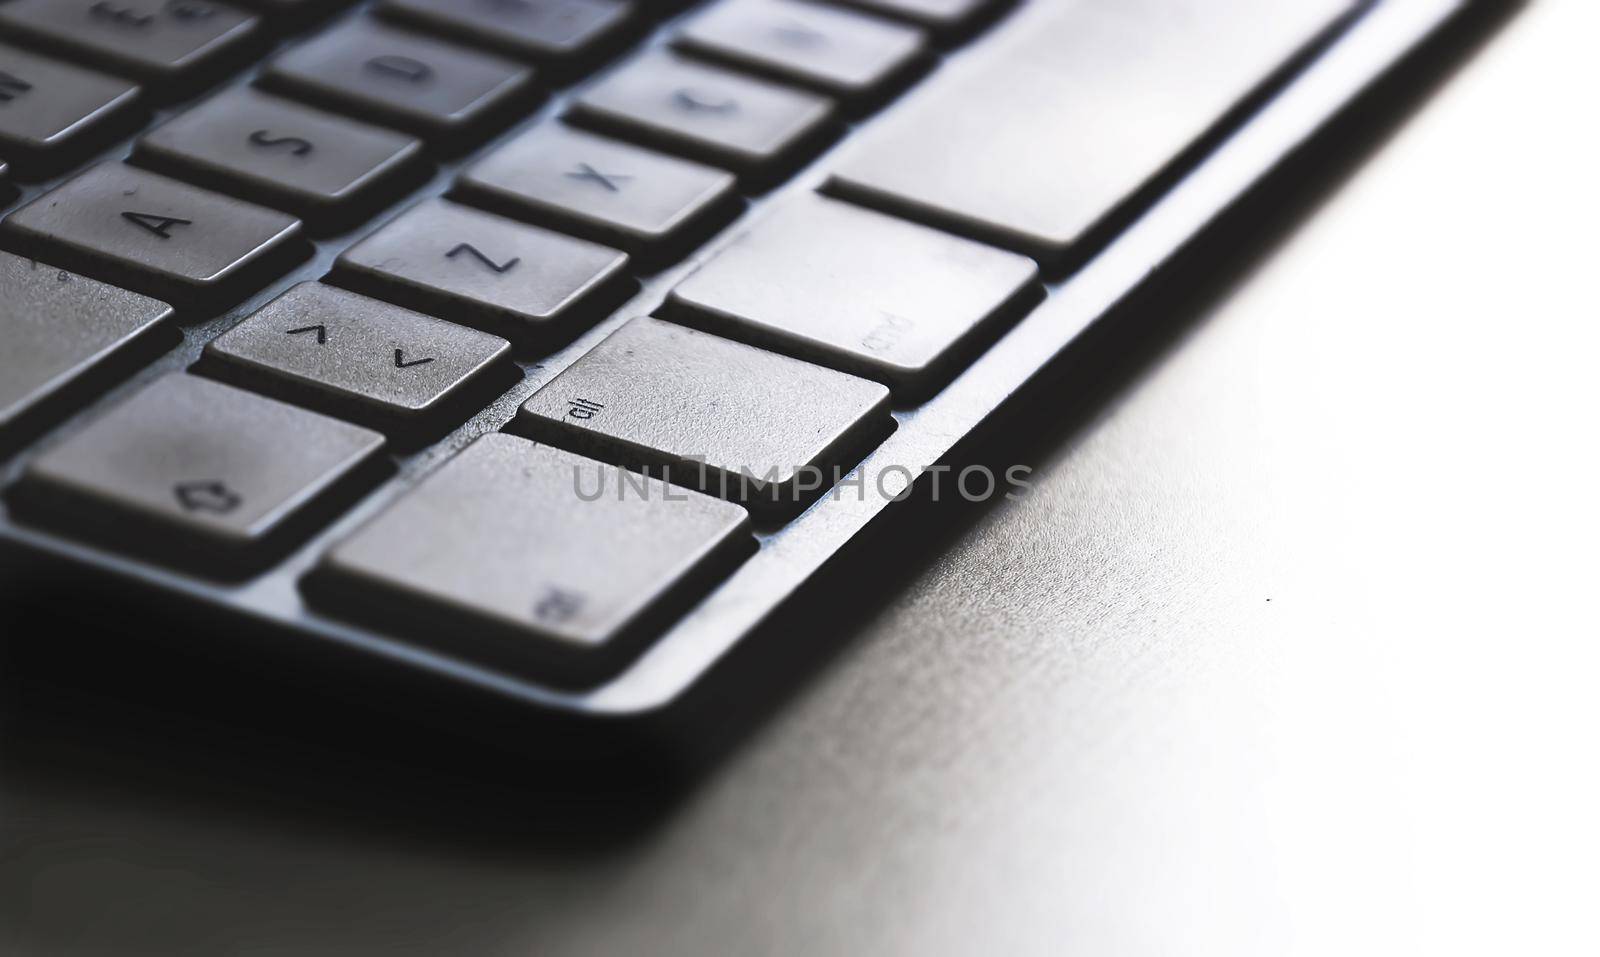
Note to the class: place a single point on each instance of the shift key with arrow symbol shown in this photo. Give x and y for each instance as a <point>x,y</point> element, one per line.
<point>211,476</point>
<point>364,359</point>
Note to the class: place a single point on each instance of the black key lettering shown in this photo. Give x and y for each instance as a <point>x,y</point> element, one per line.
<point>888,333</point>
<point>696,103</point>
<point>472,251</point>
<point>207,496</point>
<point>320,330</point>
<point>295,144</point>
<point>609,181</point>
<point>400,361</point>
<point>157,224</point>
<point>12,87</point>
<point>400,67</point>
<point>557,605</point>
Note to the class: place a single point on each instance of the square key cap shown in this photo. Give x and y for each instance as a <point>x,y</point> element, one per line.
<point>530,555</point>
<point>838,52</point>
<point>59,328</point>
<point>857,290</point>
<point>314,164</point>
<point>600,188</point>
<point>468,266</point>
<point>187,465</point>
<point>376,72</point>
<point>746,124</point>
<point>148,231</point>
<point>353,354</point>
<point>156,40</point>
<point>534,29</point>
<point>48,108</point>
<point>760,428</point>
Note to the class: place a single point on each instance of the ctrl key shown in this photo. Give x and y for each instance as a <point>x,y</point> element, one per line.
<point>533,558</point>
<point>197,473</point>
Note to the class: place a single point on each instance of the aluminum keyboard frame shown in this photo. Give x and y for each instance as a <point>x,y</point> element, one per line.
<point>1376,41</point>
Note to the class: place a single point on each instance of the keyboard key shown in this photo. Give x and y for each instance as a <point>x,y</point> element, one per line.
<point>50,109</point>
<point>61,329</point>
<point>535,556</point>
<point>535,29</point>
<point>187,463</point>
<point>157,40</point>
<point>1072,111</point>
<point>643,201</point>
<point>746,124</point>
<point>838,52</point>
<point>155,232</point>
<point>390,76</point>
<point>358,356</point>
<point>721,416</point>
<point>944,16</point>
<point>857,290</point>
<point>324,167</point>
<point>454,261</point>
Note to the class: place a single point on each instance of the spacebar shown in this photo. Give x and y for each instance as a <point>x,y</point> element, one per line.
<point>1071,112</point>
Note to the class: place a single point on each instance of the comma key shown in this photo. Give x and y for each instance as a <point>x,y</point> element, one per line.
<point>748,125</point>
<point>835,51</point>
